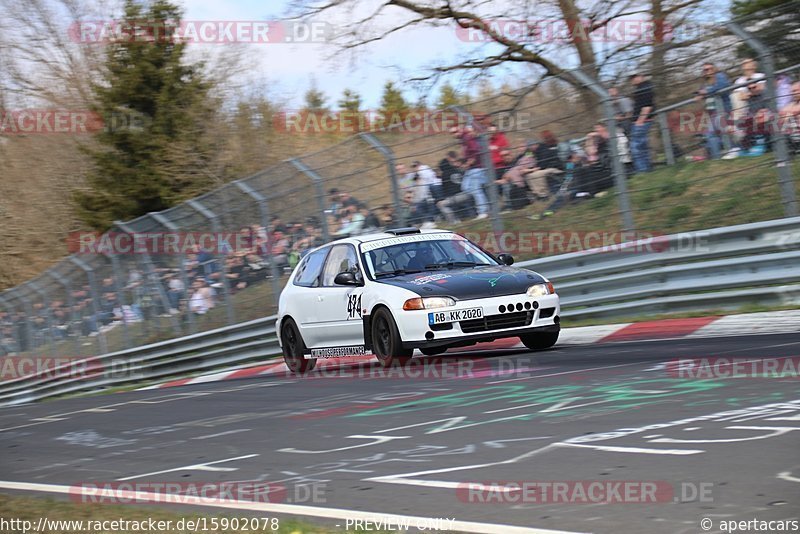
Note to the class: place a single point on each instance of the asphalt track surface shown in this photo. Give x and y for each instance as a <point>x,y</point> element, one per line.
<point>407,445</point>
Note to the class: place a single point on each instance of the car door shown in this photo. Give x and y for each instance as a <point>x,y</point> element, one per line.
<point>304,305</point>
<point>340,306</point>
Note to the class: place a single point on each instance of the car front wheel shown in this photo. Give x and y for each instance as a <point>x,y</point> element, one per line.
<point>540,341</point>
<point>293,348</point>
<point>386,342</point>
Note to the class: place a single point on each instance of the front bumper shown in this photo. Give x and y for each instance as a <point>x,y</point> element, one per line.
<point>528,315</point>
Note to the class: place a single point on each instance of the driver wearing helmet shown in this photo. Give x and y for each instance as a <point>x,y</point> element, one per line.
<point>424,256</point>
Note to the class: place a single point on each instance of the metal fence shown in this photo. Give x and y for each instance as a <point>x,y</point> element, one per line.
<point>592,284</point>
<point>483,179</point>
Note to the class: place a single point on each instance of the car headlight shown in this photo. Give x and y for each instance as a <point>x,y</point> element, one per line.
<point>427,303</point>
<point>540,290</point>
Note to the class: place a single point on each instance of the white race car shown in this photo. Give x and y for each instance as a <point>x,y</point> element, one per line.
<point>406,289</point>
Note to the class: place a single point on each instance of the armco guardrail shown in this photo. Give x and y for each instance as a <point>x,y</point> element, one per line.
<point>711,269</point>
<point>240,343</point>
<point>708,269</point>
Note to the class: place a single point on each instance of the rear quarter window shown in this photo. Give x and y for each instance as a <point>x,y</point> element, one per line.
<point>310,268</point>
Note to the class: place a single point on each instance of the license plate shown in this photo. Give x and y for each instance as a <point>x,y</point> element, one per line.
<point>454,315</point>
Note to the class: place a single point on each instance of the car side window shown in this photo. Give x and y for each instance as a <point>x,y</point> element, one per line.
<point>342,258</point>
<point>310,268</point>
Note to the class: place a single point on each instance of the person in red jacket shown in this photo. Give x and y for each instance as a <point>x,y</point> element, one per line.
<point>498,143</point>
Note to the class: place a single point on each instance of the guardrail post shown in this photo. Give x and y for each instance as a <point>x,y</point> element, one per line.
<point>781,150</point>
<point>666,138</point>
<point>317,179</point>
<point>172,227</point>
<point>153,279</point>
<point>620,178</point>
<point>120,297</point>
<point>214,220</point>
<point>70,303</point>
<point>11,313</point>
<point>263,210</point>
<point>95,298</point>
<point>391,163</point>
<point>48,320</point>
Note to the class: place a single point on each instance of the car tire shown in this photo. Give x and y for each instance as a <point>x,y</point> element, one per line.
<point>433,351</point>
<point>386,342</point>
<point>293,349</point>
<point>541,341</point>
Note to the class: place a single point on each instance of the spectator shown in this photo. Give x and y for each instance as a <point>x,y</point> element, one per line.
<point>643,104</point>
<point>385,215</point>
<point>462,202</point>
<point>429,177</point>
<point>790,118</point>
<point>422,211</point>
<point>202,298</point>
<point>238,273</point>
<point>404,177</point>
<point>276,225</point>
<point>406,208</point>
<point>279,249</point>
<point>754,126</point>
<point>623,109</point>
<point>334,202</point>
<point>352,221</point>
<point>717,105</point>
<point>739,96</point>
<point>176,292</point>
<point>515,180</point>
<point>548,164</point>
<point>371,220</point>
<point>475,177</point>
<point>497,144</point>
<point>568,186</point>
<point>450,173</point>
<point>595,175</point>
<point>504,186</point>
<point>783,91</point>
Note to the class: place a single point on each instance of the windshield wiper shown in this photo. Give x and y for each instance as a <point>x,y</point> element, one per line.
<point>451,264</point>
<point>397,272</point>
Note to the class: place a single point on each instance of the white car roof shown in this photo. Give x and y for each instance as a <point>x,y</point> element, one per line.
<point>355,240</point>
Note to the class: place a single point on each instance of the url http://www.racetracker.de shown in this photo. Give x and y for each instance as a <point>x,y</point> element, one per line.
<point>183,525</point>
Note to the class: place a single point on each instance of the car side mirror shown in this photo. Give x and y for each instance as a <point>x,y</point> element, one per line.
<point>348,278</point>
<point>506,259</point>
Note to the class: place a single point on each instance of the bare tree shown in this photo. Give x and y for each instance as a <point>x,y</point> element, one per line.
<point>584,27</point>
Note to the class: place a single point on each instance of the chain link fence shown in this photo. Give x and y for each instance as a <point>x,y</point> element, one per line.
<point>559,166</point>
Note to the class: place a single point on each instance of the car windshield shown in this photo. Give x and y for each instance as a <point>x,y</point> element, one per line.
<point>403,256</point>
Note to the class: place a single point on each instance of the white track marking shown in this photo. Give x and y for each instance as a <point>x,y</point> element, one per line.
<point>291,509</point>
<point>376,440</point>
<point>404,478</point>
<point>638,450</point>
<point>566,372</point>
<point>223,433</point>
<point>787,476</point>
<point>586,335</point>
<point>197,467</point>
<point>776,431</point>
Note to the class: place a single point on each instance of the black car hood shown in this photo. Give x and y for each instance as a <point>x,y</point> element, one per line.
<point>467,283</point>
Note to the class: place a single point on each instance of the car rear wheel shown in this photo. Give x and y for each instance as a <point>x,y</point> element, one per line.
<point>293,348</point>
<point>540,341</point>
<point>386,342</point>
